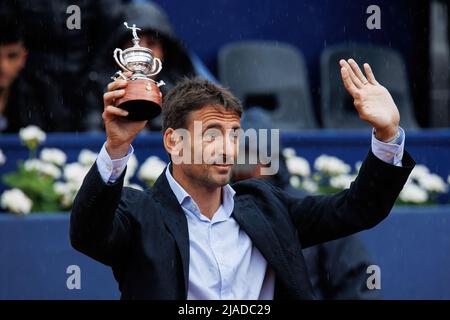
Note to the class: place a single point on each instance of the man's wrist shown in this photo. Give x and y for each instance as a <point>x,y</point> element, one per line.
<point>387,135</point>
<point>117,151</point>
<point>395,139</point>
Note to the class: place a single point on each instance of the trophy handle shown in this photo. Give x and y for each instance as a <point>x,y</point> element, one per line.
<point>157,65</point>
<point>119,59</point>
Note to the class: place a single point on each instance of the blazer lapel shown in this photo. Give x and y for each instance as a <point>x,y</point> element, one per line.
<point>252,220</point>
<point>175,220</point>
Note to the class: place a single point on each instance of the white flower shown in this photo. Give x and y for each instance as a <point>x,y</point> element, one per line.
<point>16,201</point>
<point>295,181</point>
<point>33,164</point>
<point>433,183</point>
<point>331,165</point>
<point>298,166</point>
<point>413,193</point>
<point>289,153</point>
<point>32,136</point>
<point>310,186</point>
<point>87,157</point>
<point>132,166</point>
<point>75,171</point>
<point>448,179</point>
<point>53,155</point>
<point>151,169</point>
<point>74,174</point>
<point>51,170</point>
<point>66,191</point>
<point>342,181</point>
<point>67,200</point>
<point>2,158</point>
<point>420,171</point>
<point>62,188</point>
<point>42,167</point>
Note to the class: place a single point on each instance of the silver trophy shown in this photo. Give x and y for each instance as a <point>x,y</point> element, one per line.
<point>142,99</point>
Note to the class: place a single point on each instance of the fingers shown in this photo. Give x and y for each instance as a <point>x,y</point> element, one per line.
<point>357,71</point>
<point>369,73</point>
<point>111,96</point>
<point>348,83</point>
<point>117,84</point>
<point>356,81</point>
<point>111,112</point>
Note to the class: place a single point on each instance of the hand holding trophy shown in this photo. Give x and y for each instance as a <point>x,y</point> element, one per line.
<point>142,99</point>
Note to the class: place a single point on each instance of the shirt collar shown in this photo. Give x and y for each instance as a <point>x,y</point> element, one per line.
<point>184,198</point>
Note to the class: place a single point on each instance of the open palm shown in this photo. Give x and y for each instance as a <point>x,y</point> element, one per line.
<point>373,102</point>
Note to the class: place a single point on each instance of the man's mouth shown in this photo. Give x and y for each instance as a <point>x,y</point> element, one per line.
<point>222,165</point>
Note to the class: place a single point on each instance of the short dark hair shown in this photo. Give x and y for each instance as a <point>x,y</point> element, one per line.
<point>192,94</point>
<point>11,30</point>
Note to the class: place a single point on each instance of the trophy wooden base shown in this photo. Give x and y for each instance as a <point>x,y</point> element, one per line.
<point>142,100</point>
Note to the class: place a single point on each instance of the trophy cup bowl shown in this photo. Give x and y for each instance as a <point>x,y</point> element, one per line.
<point>142,99</point>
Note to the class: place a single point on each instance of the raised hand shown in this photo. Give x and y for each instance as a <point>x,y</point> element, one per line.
<point>120,132</point>
<point>372,101</point>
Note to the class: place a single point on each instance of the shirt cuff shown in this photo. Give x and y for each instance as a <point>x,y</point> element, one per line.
<point>390,152</point>
<point>110,170</point>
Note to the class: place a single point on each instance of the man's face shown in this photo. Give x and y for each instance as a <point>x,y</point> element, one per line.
<point>213,133</point>
<point>12,61</point>
<point>152,42</point>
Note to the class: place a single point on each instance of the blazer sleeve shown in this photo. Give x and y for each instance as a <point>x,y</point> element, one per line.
<point>99,224</point>
<point>367,202</point>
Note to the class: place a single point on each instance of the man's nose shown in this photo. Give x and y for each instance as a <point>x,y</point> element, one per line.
<point>228,148</point>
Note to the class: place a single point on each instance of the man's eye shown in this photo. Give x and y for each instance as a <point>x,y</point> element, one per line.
<point>13,55</point>
<point>210,135</point>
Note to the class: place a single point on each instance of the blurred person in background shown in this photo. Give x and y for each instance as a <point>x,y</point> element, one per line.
<point>63,55</point>
<point>24,99</point>
<point>156,34</point>
<point>337,269</point>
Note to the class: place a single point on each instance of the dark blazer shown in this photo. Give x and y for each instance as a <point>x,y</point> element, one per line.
<point>144,236</point>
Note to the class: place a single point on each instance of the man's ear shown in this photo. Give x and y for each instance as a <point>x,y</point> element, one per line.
<point>169,142</point>
<point>177,145</point>
<point>173,141</point>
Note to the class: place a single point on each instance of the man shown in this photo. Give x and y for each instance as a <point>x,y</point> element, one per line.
<point>23,99</point>
<point>64,41</point>
<point>195,236</point>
